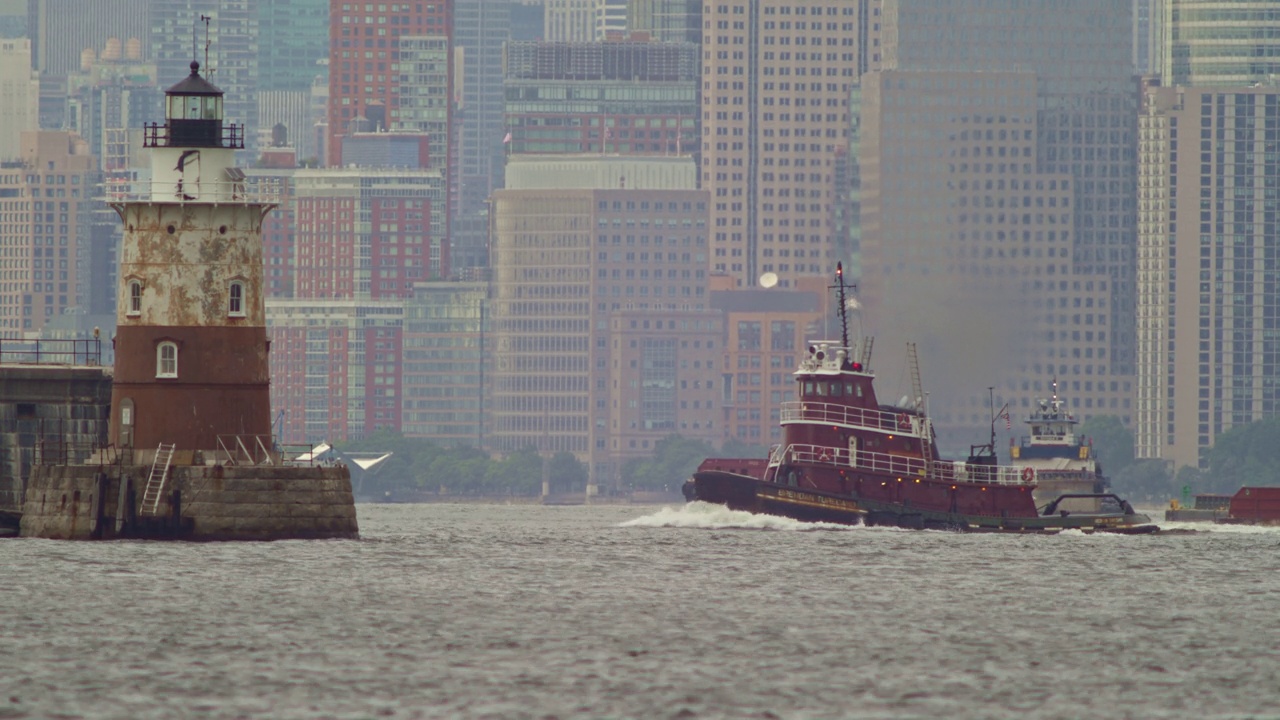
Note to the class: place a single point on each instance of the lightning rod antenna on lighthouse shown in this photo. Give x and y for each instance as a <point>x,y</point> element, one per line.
<point>205,19</point>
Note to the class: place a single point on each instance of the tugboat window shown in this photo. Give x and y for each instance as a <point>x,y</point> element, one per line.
<point>167,360</point>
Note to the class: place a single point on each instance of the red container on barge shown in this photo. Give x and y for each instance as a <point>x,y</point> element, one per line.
<point>1254,505</point>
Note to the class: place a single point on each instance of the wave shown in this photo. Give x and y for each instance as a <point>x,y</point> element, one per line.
<point>1226,529</point>
<point>709,516</point>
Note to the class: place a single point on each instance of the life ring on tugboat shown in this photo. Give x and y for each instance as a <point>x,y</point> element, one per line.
<point>904,422</point>
<point>824,455</point>
<point>1028,474</point>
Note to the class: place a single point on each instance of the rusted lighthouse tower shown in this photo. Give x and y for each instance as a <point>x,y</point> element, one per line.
<point>191,339</point>
<point>190,453</point>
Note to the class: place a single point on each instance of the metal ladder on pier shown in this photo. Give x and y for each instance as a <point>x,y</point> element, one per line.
<point>155,481</point>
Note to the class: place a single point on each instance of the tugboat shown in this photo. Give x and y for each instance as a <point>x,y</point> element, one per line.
<point>845,457</point>
<point>1061,460</point>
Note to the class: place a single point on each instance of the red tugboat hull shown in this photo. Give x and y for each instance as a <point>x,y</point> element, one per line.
<point>750,494</point>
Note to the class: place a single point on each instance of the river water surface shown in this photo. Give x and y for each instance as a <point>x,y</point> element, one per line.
<point>485,611</point>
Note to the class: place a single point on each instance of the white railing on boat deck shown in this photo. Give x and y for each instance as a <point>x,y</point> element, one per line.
<point>831,413</point>
<point>902,466</point>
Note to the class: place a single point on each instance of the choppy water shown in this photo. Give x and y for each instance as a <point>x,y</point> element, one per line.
<point>475,611</point>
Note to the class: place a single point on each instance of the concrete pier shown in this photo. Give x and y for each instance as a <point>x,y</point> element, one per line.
<point>199,502</point>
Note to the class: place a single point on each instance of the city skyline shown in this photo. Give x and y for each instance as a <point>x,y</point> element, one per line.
<point>992,182</point>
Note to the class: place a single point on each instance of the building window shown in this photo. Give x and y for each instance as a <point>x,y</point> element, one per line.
<point>235,299</point>
<point>135,298</point>
<point>167,360</point>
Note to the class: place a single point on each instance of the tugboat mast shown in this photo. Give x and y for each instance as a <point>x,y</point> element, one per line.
<point>844,316</point>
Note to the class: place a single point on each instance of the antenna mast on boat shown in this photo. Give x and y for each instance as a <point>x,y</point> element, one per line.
<point>1004,413</point>
<point>991,405</point>
<point>844,309</point>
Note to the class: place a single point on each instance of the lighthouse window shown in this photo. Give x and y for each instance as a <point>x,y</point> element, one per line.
<point>135,298</point>
<point>167,360</point>
<point>235,299</point>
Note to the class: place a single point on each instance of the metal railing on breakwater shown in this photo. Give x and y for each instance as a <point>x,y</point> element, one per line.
<point>46,351</point>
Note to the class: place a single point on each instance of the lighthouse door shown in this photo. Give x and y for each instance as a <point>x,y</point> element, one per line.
<point>126,422</point>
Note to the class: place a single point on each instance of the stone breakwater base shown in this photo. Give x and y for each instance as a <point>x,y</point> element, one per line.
<point>198,502</point>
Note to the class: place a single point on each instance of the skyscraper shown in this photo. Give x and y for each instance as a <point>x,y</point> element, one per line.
<point>61,29</point>
<point>527,19</point>
<point>480,29</point>
<point>630,98</point>
<point>425,96</point>
<point>570,21</point>
<point>1207,43</point>
<point>364,74</point>
<point>19,96</point>
<point>1143,27</point>
<point>1052,146</point>
<point>445,361</point>
<point>110,101</point>
<point>611,19</point>
<point>777,79</point>
<point>364,237</point>
<point>1207,201</point>
<point>293,43</point>
<point>666,20</point>
<point>592,252</point>
<point>13,19</point>
<point>45,202</point>
<point>967,248</point>
<point>1208,306</point>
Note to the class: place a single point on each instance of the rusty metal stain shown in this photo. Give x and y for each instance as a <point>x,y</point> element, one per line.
<point>186,275</point>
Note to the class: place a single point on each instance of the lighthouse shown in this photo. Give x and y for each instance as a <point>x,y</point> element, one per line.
<point>191,345</point>
<point>189,453</point>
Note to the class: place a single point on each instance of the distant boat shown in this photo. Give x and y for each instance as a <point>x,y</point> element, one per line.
<point>1061,460</point>
<point>847,458</point>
